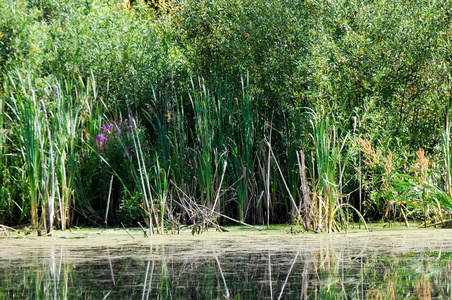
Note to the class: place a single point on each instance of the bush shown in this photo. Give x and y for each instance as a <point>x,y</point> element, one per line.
<point>265,39</point>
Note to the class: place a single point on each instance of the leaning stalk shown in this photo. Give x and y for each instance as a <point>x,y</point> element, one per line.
<point>143,173</point>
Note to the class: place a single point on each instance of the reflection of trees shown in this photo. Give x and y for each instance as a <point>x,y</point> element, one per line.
<point>161,272</point>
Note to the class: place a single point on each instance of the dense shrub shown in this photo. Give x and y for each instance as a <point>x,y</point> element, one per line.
<point>266,40</point>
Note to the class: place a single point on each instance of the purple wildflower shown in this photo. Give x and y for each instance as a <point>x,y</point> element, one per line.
<point>112,133</point>
<point>102,140</point>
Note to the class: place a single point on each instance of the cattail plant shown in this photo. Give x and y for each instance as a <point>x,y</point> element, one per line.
<point>204,134</point>
<point>211,135</point>
<point>328,151</point>
<point>325,144</point>
<point>243,150</point>
<point>161,188</point>
<point>49,137</point>
<point>5,201</point>
<point>72,101</point>
<point>21,101</point>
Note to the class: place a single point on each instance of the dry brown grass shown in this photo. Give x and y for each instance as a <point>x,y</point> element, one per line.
<point>420,168</point>
<point>372,156</point>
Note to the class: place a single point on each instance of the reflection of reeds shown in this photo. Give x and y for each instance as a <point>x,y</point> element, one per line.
<point>226,290</point>
<point>147,289</point>
<point>287,277</point>
<point>270,283</point>
<point>423,290</point>
<point>324,272</point>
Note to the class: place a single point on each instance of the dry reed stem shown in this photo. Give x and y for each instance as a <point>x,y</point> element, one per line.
<point>206,214</point>
<point>127,230</point>
<point>108,202</point>
<point>306,204</point>
<point>283,180</point>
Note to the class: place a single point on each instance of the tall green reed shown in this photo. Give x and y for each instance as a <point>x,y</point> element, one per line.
<point>445,113</point>
<point>167,117</point>
<point>72,101</point>
<point>210,141</point>
<point>86,183</point>
<point>328,151</point>
<point>144,180</point>
<point>226,130</point>
<point>239,125</point>
<point>48,183</point>
<point>223,129</point>
<point>49,138</point>
<point>204,136</point>
<point>161,186</point>
<point>21,101</point>
<point>290,160</point>
<point>247,137</point>
<point>4,199</point>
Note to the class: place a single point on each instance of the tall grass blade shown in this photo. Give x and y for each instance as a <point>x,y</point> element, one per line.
<point>20,99</point>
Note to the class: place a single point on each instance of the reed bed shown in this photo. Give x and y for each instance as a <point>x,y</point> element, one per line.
<point>225,171</point>
<point>48,138</point>
<point>220,113</point>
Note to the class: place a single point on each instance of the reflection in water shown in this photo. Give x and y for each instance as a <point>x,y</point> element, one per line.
<point>159,272</point>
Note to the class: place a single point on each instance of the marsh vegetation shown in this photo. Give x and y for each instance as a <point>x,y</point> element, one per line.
<point>204,113</point>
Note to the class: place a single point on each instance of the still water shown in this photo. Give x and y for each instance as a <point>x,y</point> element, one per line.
<point>241,264</point>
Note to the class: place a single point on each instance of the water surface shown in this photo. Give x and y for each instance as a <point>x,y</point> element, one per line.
<point>241,264</point>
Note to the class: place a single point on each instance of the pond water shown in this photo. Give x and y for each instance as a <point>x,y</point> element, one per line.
<point>241,264</point>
